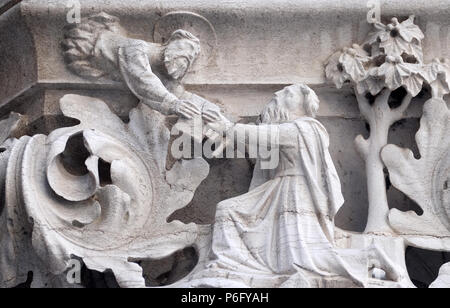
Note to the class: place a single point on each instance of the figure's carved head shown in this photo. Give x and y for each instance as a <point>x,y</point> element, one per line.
<point>291,103</point>
<point>182,49</point>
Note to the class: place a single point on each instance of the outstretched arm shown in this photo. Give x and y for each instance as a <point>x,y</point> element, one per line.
<point>137,73</point>
<point>247,134</point>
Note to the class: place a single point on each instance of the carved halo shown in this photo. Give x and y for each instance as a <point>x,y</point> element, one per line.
<point>194,23</point>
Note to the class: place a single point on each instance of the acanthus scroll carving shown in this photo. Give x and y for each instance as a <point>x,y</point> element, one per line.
<point>116,210</point>
<point>424,180</point>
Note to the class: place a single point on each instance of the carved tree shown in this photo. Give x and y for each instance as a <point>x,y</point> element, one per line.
<point>391,59</point>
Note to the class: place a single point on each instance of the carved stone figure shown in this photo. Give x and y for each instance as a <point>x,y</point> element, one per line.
<point>281,233</point>
<point>96,48</point>
<point>99,48</point>
<point>95,188</point>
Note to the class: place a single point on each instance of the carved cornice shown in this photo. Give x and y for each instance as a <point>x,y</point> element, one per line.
<point>301,36</point>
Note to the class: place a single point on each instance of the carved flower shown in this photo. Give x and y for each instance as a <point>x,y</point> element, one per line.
<point>347,65</point>
<point>437,74</point>
<point>399,38</point>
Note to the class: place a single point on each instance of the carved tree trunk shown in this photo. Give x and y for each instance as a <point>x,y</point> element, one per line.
<point>380,117</point>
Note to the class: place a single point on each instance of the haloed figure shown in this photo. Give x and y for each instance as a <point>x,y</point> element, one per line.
<point>97,48</point>
<point>281,233</point>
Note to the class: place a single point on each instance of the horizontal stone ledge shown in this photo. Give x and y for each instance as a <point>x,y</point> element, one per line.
<point>258,42</point>
<point>237,100</point>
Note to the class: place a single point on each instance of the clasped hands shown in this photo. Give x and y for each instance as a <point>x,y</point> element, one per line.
<point>214,120</point>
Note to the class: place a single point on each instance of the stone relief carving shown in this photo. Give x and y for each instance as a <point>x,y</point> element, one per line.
<point>424,180</point>
<point>110,206</point>
<point>7,127</point>
<point>391,59</point>
<point>193,23</point>
<point>101,192</point>
<point>297,202</point>
<point>99,48</point>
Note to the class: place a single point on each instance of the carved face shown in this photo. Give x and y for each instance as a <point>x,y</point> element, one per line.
<point>177,67</point>
<point>178,56</point>
<point>292,100</point>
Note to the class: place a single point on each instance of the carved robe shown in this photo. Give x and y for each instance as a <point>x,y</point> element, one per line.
<point>283,228</point>
<point>143,73</point>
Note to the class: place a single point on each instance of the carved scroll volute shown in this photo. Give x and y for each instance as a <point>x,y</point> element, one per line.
<point>117,209</point>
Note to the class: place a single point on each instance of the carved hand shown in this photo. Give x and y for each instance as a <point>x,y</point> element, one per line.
<point>217,121</point>
<point>187,109</point>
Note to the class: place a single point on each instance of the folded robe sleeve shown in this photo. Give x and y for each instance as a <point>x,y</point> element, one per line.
<point>136,70</point>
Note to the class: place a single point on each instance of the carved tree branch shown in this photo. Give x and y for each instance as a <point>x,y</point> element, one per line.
<point>362,146</point>
<point>382,99</point>
<point>399,113</point>
<point>378,115</point>
<point>364,105</point>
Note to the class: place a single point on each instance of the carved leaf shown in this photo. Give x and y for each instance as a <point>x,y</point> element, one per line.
<point>374,36</point>
<point>437,74</point>
<point>414,82</point>
<point>424,180</point>
<point>393,74</point>
<point>373,83</point>
<point>348,65</point>
<point>409,31</point>
<point>397,38</point>
<point>334,70</point>
<point>402,38</point>
<point>353,61</point>
<point>117,210</point>
<point>396,73</point>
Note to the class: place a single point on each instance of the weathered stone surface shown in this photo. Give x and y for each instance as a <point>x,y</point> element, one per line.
<point>102,100</point>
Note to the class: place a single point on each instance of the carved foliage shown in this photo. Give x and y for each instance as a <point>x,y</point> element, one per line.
<point>110,205</point>
<point>391,57</point>
<point>424,180</point>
